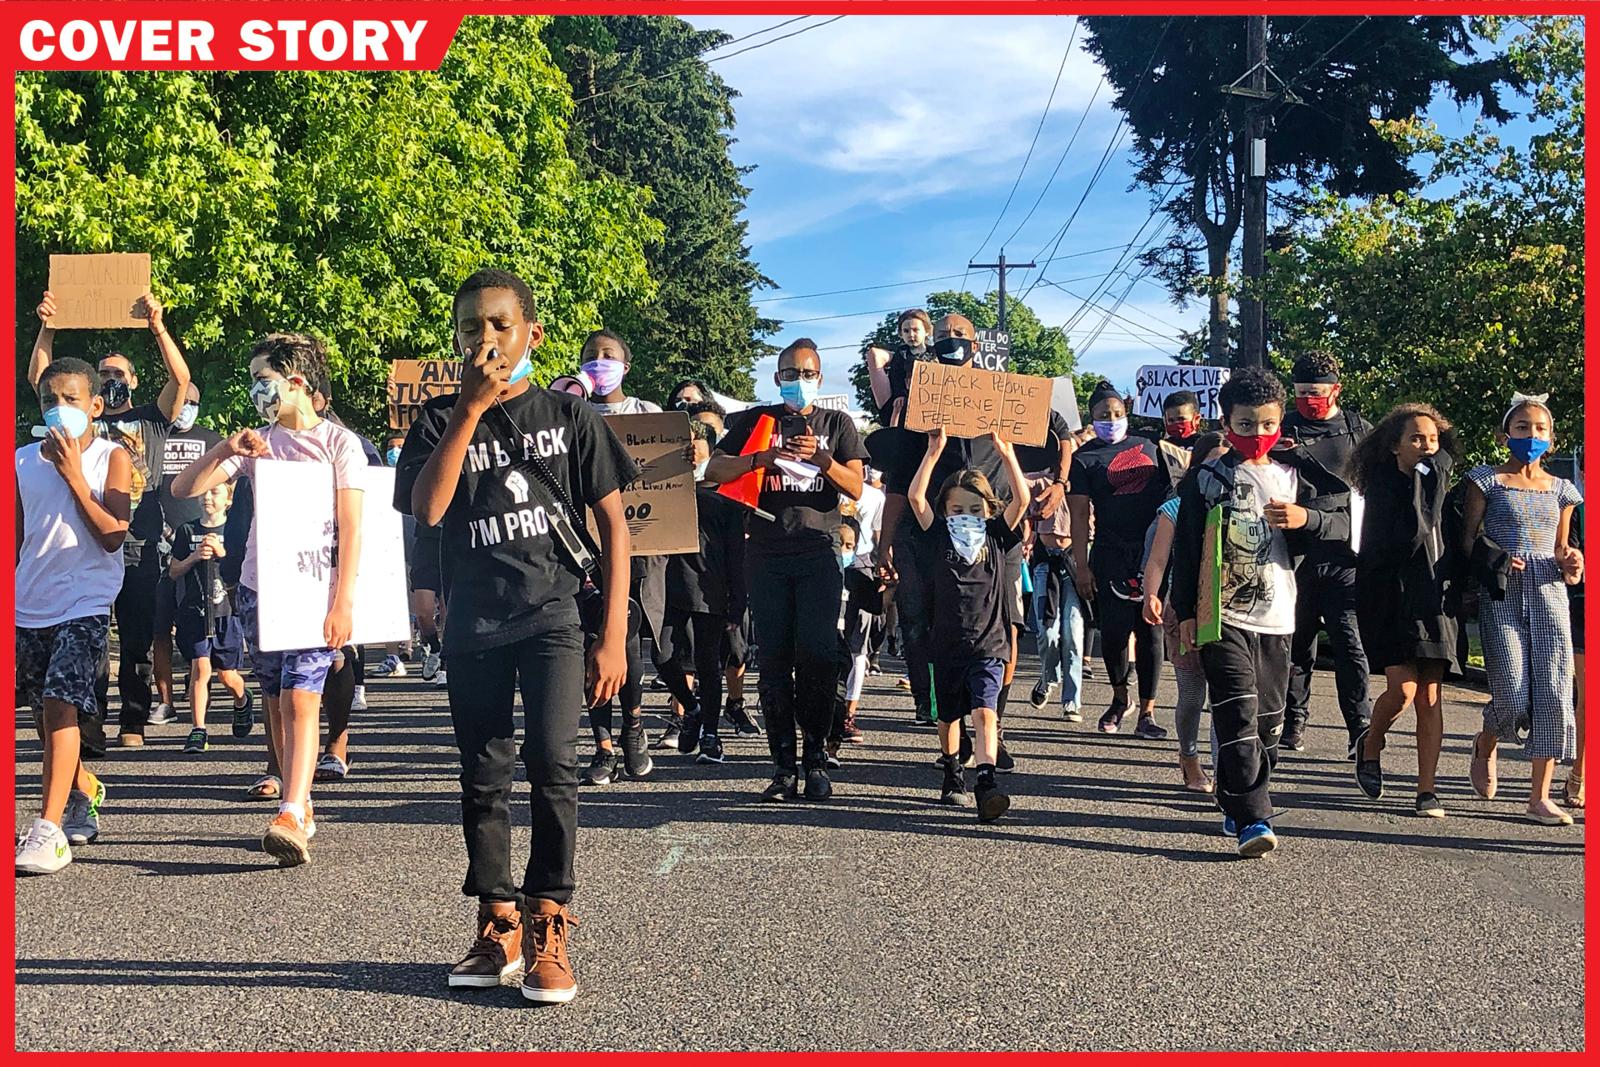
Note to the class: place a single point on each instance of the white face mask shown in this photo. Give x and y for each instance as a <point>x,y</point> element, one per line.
<point>185,420</point>
<point>968,533</point>
<point>267,395</point>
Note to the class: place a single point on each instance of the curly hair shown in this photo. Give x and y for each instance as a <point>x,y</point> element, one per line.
<point>1376,450</point>
<point>972,480</point>
<point>1253,387</point>
<point>1314,366</point>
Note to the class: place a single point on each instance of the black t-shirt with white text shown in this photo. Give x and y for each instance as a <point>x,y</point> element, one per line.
<point>183,448</point>
<point>204,580</point>
<point>508,578</point>
<point>806,513</point>
<point>971,608</point>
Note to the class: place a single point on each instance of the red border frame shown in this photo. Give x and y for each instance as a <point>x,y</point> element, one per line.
<point>14,15</point>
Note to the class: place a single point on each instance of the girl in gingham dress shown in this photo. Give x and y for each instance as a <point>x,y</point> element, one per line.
<point>1527,636</point>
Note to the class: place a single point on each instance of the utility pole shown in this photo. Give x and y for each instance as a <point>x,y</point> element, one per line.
<point>1002,267</point>
<point>1252,320</point>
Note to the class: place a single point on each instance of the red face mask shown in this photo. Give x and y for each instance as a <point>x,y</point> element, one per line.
<point>1182,429</point>
<point>1314,407</point>
<point>1255,446</point>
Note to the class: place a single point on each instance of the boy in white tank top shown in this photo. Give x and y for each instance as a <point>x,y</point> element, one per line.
<point>72,515</point>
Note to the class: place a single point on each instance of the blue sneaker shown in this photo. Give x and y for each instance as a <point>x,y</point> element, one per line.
<point>1257,839</point>
<point>1229,827</point>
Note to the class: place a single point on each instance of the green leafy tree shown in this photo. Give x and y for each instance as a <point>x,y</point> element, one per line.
<point>654,115</point>
<point>1192,154</point>
<point>1036,349</point>
<point>347,204</point>
<point>1460,300</point>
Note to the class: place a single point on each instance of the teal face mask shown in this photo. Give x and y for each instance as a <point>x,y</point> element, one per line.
<point>799,393</point>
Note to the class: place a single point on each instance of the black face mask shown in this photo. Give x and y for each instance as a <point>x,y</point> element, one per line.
<point>953,350</point>
<point>115,393</point>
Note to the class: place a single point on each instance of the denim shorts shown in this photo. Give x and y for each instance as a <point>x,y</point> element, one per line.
<point>305,669</point>
<point>962,685</point>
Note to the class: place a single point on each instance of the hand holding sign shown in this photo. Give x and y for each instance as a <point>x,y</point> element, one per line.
<point>971,402</point>
<point>98,291</point>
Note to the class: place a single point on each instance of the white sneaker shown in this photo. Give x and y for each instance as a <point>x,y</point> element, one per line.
<point>439,679</point>
<point>359,701</point>
<point>163,715</point>
<point>81,823</point>
<point>391,667</point>
<point>430,666</point>
<point>43,849</point>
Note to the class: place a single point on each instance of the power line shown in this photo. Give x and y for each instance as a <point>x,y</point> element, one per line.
<point>1065,55</point>
<point>680,64</point>
<point>1060,160</point>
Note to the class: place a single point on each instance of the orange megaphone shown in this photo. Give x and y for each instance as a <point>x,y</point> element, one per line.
<point>746,489</point>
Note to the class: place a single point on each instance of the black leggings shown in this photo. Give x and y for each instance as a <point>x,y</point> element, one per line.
<point>631,695</point>
<point>704,632</point>
<point>1120,619</point>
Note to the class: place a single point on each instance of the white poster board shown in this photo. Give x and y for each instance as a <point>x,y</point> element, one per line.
<point>1158,382</point>
<point>1064,402</point>
<point>294,526</point>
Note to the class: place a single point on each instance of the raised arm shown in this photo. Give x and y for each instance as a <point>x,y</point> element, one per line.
<point>917,495</point>
<point>44,344</point>
<point>878,373</point>
<point>208,471</point>
<point>106,518</point>
<point>176,391</point>
<point>1020,494</point>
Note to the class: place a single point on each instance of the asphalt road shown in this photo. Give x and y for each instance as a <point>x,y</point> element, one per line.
<point>1105,912</point>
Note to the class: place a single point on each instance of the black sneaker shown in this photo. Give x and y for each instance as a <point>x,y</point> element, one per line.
<point>689,732</point>
<point>1293,740</point>
<point>244,715</point>
<point>782,787</point>
<point>966,750</point>
<point>924,716</point>
<point>1369,774</point>
<point>740,719</point>
<point>636,752</point>
<point>602,768</point>
<point>1355,743</point>
<point>1149,729</point>
<point>830,756</point>
<point>1111,721</point>
<point>669,736</point>
<point>992,803</point>
<point>197,741</point>
<point>818,787</point>
<point>1003,760</point>
<point>1040,695</point>
<point>954,790</point>
<point>710,749</point>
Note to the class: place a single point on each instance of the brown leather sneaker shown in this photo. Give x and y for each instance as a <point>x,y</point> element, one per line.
<point>547,977</point>
<point>286,841</point>
<point>497,953</point>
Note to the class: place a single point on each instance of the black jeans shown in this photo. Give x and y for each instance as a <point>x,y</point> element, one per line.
<point>796,603</point>
<point>135,612</point>
<point>1246,673</point>
<point>1325,594</point>
<point>704,633</point>
<point>483,688</point>
<point>912,556</point>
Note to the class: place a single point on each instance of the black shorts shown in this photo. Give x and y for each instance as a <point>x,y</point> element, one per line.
<point>736,643</point>
<point>961,685</point>
<point>166,605</point>
<point>225,649</point>
<point>425,570</point>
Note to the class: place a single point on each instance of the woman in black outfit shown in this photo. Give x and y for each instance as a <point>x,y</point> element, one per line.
<point>1403,470</point>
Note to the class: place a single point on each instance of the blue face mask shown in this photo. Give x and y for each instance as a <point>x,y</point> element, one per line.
<point>392,457</point>
<point>523,368</point>
<point>846,557</point>
<point>968,533</point>
<point>74,422</point>
<point>799,393</point>
<point>1527,449</point>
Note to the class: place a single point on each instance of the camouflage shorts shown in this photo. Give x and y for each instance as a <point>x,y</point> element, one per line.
<point>60,662</point>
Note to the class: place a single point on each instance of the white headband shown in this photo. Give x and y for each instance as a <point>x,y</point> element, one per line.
<point>1518,400</point>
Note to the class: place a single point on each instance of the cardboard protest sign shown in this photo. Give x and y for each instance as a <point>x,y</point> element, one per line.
<point>296,554</point>
<point>414,382</point>
<point>1208,601</point>
<point>970,402</point>
<point>100,291</point>
<point>993,350</point>
<point>1159,382</point>
<point>663,515</point>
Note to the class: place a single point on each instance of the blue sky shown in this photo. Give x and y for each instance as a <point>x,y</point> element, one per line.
<point>873,170</point>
